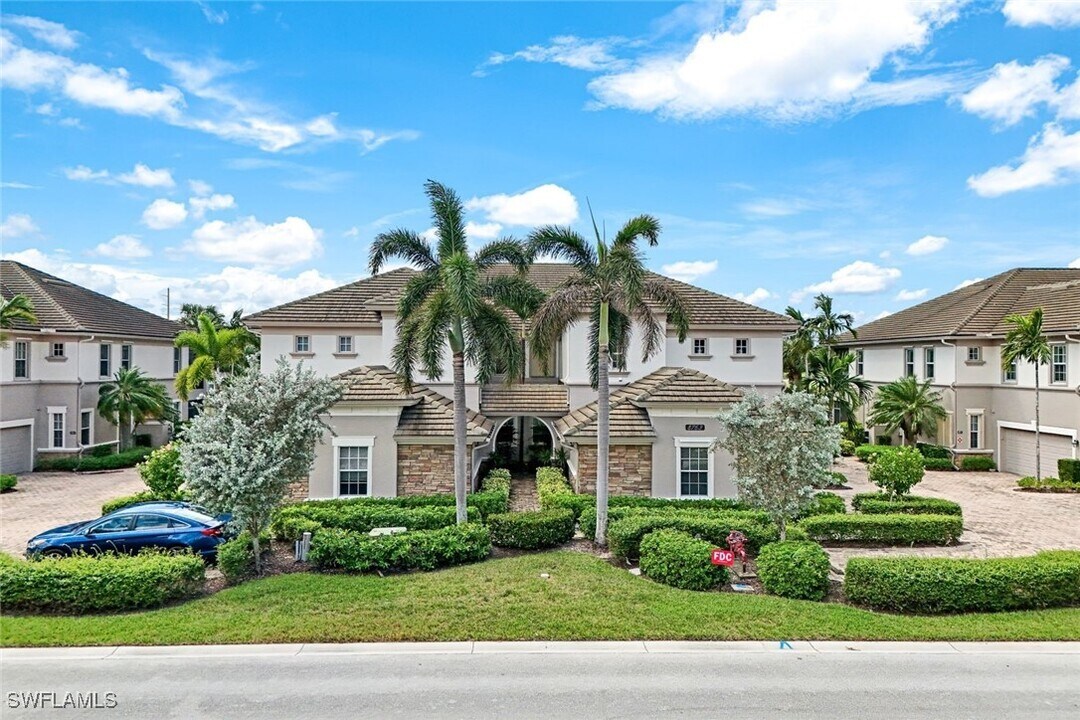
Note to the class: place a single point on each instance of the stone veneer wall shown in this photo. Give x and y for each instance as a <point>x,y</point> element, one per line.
<point>629,470</point>
<point>297,491</point>
<point>426,469</point>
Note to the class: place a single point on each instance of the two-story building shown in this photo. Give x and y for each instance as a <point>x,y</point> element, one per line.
<point>51,371</point>
<point>954,341</point>
<point>388,440</point>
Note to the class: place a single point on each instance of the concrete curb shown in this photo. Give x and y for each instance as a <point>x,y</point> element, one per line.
<point>652,647</point>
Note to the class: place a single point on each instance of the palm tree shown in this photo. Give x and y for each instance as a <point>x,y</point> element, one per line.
<point>18,308</point>
<point>818,330</point>
<point>613,286</point>
<point>830,377</point>
<point>907,404</point>
<point>828,325</point>
<point>132,398</point>
<point>797,348</point>
<point>190,312</point>
<point>216,350</point>
<point>1025,341</point>
<point>451,301</point>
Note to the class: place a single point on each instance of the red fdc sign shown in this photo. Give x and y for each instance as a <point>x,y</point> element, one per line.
<point>723,557</point>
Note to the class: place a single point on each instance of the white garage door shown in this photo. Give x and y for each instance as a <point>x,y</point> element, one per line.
<point>16,451</point>
<point>1018,451</point>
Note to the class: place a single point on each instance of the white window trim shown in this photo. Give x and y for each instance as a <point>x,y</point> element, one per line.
<point>860,362</point>
<point>107,359</point>
<point>904,367</point>
<point>1016,374</point>
<point>981,414</point>
<point>749,349</point>
<point>927,363</point>
<point>82,414</point>
<point>680,443</point>
<point>1050,368</point>
<point>352,345</point>
<point>26,360</point>
<point>367,441</point>
<point>704,353</point>
<point>130,356</point>
<point>62,412</point>
<point>296,344</point>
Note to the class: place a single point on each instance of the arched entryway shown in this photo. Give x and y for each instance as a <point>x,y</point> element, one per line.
<point>523,443</point>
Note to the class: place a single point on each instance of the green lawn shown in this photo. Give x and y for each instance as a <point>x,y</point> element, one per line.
<point>584,599</point>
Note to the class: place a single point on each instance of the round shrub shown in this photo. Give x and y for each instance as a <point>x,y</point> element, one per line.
<point>847,448</point>
<point>796,569</point>
<point>8,482</point>
<point>897,471</point>
<point>824,503</point>
<point>531,530</point>
<point>236,558</point>
<point>161,471</point>
<point>680,560</point>
<point>625,533</point>
<point>977,463</point>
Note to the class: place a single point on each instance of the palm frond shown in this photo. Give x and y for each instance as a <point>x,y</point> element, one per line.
<point>403,245</point>
<point>559,311</point>
<point>507,250</point>
<point>641,228</point>
<point>514,292</point>
<point>678,312</point>
<point>433,332</point>
<point>447,215</point>
<point>461,284</point>
<point>564,244</point>
<point>492,345</point>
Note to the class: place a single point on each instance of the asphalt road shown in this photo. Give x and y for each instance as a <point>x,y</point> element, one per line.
<point>872,682</point>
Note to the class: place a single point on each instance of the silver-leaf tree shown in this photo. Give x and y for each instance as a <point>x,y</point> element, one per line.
<point>782,447</point>
<point>255,436</point>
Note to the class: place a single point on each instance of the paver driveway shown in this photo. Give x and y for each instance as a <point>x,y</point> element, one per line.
<point>998,520</point>
<point>44,500</point>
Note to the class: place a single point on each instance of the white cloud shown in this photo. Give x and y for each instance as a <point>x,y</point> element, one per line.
<point>123,247</point>
<point>163,214</point>
<point>777,207</point>
<point>17,225</point>
<point>252,242</point>
<point>755,297</point>
<point>965,283</point>
<point>48,32</point>
<point>568,50</point>
<point>214,17</point>
<point>83,173</point>
<point>352,232</point>
<point>858,278</point>
<point>544,205</point>
<point>788,60</point>
<point>1075,263</point>
<point>200,188</point>
<point>202,205</point>
<point>909,295</point>
<point>689,270</point>
<point>1052,158</point>
<point>111,90</point>
<point>1055,13</point>
<point>1013,91</point>
<point>14,185</point>
<point>143,176</point>
<point>882,314</point>
<point>927,245</point>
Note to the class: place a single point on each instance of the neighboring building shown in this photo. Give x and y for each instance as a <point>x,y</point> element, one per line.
<point>50,372</point>
<point>389,441</point>
<point>954,341</point>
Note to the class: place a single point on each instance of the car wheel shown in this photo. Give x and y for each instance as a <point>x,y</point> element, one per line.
<point>53,553</point>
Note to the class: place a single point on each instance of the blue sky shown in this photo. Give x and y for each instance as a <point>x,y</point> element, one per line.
<point>246,154</point>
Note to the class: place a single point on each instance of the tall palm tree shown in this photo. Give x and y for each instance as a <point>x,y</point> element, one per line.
<point>797,348</point>
<point>819,330</point>
<point>830,377</point>
<point>614,288</point>
<point>1025,341</point>
<point>190,312</point>
<point>827,325</point>
<point>216,351</point>
<point>15,309</point>
<point>132,398</point>
<point>907,404</point>
<point>452,302</point>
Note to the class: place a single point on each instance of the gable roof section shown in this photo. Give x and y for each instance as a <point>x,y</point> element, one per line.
<point>542,399</point>
<point>65,306</point>
<point>630,403</point>
<point>981,308</point>
<point>359,302</point>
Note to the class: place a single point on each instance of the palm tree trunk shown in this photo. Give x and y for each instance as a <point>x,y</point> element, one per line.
<point>257,552</point>
<point>603,429</point>
<point>1038,450</point>
<point>460,414</point>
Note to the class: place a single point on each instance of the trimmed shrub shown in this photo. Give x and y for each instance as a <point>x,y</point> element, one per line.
<point>85,583</point>
<point>847,448</point>
<point>939,452</point>
<point>334,549</point>
<point>824,503</point>
<point>497,481</point>
<point>932,463</point>
<point>90,463</point>
<point>235,558</point>
<point>625,534</point>
<point>834,479</point>
<point>362,518</point>
<point>8,483</point>
<point>680,560</point>
<point>706,504</point>
<point>977,463</point>
<point>898,529</point>
<point>794,569</point>
<point>954,585</point>
<point>869,453</point>
<point>1048,484</point>
<point>587,520</point>
<point>1069,470</point>
<point>881,504</point>
<point>161,472</point>
<point>101,450</point>
<point>286,526</point>
<point>898,471</point>
<point>531,530</point>
<point>554,491</point>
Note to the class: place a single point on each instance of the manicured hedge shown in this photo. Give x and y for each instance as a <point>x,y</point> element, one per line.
<point>898,529</point>
<point>794,569</point>
<point>977,463</point>
<point>847,448</point>
<point>954,585</point>
<point>935,452</point>
<point>1069,470</point>
<point>362,518</point>
<point>83,583</point>
<point>531,530</point>
<point>880,504</point>
<point>625,534</point>
<point>236,558</point>
<point>680,560</point>
<point>8,482</point>
<point>1048,484</point>
<point>89,463</point>
<point>554,491</point>
<point>824,503</point>
<point>333,549</point>
<point>588,515</point>
<point>867,453</point>
<point>933,463</point>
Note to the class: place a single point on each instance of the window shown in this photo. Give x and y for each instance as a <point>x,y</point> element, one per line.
<point>699,346</point>
<point>190,355</point>
<point>1009,373</point>
<point>22,359</point>
<point>86,427</point>
<point>974,354</point>
<point>302,343</point>
<point>112,525</point>
<point>194,407</point>
<point>694,470</point>
<point>176,360</point>
<point>742,346</point>
<point>157,522</point>
<point>56,350</point>
<point>105,361</point>
<point>860,366</point>
<point>352,470</point>
<point>909,362</point>
<point>974,425</point>
<point>125,356</point>
<point>344,344</point>
<point>928,363</point>
<point>1058,364</point>
<point>56,425</point>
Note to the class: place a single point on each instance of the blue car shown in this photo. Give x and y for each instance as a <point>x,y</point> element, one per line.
<point>175,527</point>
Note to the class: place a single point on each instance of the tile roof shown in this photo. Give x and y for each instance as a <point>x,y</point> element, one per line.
<point>629,413</point>
<point>65,306</point>
<point>427,413</point>
<point>359,302</point>
<point>524,398</point>
<point>981,307</point>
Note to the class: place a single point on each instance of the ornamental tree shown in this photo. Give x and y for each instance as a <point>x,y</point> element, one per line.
<point>897,471</point>
<point>782,447</point>
<point>255,436</point>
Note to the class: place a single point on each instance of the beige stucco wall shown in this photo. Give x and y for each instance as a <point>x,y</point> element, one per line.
<point>383,461</point>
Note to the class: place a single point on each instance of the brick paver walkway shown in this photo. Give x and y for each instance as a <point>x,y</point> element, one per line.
<point>523,493</point>
<point>44,500</point>
<point>998,520</point>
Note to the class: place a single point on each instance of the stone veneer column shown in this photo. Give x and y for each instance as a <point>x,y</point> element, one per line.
<point>427,469</point>
<point>629,470</point>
